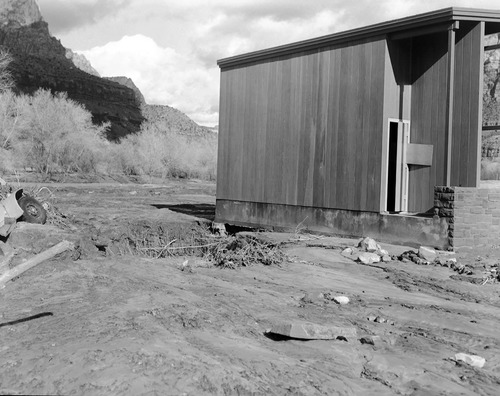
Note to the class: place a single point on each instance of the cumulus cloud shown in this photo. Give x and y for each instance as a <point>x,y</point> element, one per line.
<point>164,75</point>
<point>170,48</point>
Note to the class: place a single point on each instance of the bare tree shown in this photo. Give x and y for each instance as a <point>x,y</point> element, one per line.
<point>6,80</point>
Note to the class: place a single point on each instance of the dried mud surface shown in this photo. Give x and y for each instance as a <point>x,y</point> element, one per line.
<point>126,325</point>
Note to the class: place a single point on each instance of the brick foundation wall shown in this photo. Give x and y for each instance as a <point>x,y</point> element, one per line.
<point>473,215</point>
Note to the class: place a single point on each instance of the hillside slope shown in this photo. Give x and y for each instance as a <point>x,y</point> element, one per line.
<point>168,118</point>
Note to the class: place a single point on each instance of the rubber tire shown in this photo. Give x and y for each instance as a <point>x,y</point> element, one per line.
<point>33,210</point>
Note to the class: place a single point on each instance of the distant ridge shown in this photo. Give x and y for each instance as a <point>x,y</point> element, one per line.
<point>166,117</point>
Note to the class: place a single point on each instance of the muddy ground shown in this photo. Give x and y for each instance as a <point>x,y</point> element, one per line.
<point>104,321</point>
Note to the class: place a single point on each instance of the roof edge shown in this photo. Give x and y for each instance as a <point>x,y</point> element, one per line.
<point>445,15</point>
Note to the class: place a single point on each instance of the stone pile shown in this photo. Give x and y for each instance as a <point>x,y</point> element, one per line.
<point>367,251</point>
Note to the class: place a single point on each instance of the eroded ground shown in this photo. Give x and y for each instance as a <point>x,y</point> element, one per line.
<point>121,324</point>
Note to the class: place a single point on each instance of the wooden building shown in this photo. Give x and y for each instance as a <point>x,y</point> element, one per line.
<point>350,133</point>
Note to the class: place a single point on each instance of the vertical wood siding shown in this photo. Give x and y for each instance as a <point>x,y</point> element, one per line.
<point>428,111</point>
<point>428,117</point>
<point>467,104</point>
<point>305,130</point>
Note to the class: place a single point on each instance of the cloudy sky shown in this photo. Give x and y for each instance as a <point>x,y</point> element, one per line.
<point>170,47</point>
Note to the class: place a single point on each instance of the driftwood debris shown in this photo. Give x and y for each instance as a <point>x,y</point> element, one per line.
<point>35,260</point>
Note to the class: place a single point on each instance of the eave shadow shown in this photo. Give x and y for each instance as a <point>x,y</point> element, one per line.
<point>204,211</point>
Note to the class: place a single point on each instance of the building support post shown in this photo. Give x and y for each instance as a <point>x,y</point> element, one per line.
<point>449,98</point>
<point>480,118</point>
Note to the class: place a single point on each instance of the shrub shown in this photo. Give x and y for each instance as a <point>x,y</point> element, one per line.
<point>6,81</point>
<point>490,169</point>
<point>156,152</point>
<point>55,135</point>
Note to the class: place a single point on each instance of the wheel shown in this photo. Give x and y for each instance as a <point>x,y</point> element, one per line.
<point>33,210</point>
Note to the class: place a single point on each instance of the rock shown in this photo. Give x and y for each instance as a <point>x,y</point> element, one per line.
<point>386,258</point>
<point>372,318</point>
<point>16,13</point>
<point>382,252</point>
<point>427,253</point>
<point>368,258</point>
<point>370,340</point>
<point>347,252</point>
<point>311,331</point>
<point>342,300</point>
<point>313,298</point>
<point>366,340</point>
<point>380,319</point>
<point>368,245</point>
<point>473,360</point>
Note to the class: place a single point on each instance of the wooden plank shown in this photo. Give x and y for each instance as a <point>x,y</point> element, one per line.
<point>490,127</point>
<point>491,47</point>
<point>362,126</point>
<point>262,102</point>
<point>319,182</point>
<point>427,117</point>
<point>334,114</point>
<point>375,126</point>
<point>479,121</point>
<point>270,156</point>
<point>311,128</point>
<point>458,102</point>
<point>355,142</point>
<point>342,142</point>
<point>476,119</point>
<point>465,109</point>
<point>468,102</point>
<point>222,154</point>
<point>295,125</point>
<point>288,157</point>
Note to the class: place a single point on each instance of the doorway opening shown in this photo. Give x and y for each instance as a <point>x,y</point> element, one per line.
<point>397,170</point>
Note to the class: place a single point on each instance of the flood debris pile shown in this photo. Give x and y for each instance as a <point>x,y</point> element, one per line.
<point>222,250</point>
<point>368,251</point>
<point>242,250</point>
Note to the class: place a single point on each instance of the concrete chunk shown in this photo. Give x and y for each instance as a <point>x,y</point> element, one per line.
<point>369,245</point>
<point>473,360</point>
<point>311,331</point>
<point>369,258</point>
<point>427,253</point>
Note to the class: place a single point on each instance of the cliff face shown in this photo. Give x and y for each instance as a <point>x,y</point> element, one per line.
<point>130,84</point>
<point>16,13</point>
<point>40,61</point>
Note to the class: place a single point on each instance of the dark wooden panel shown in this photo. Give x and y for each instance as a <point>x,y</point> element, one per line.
<point>333,128</point>
<point>305,129</point>
<point>467,110</point>
<point>374,124</point>
<point>428,117</point>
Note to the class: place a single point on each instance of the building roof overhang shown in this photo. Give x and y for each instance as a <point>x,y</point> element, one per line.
<point>399,28</point>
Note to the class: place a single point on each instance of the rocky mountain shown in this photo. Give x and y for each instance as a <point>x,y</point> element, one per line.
<point>168,118</point>
<point>81,62</point>
<point>40,61</point>
<point>130,84</point>
<point>17,13</point>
